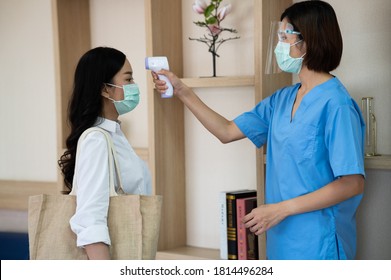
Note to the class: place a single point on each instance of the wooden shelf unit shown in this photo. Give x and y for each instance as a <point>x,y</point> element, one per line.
<point>166,131</point>
<point>188,253</point>
<point>235,81</point>
<point>378,162</point>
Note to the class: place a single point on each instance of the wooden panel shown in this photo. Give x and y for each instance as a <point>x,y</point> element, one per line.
<point>71,21</point>
<point>74,39</point>
<point>378,162</point>
<point>219,82</point>
<point>14,194</point>
<point>265,85</point>
<point>188,253</point>
<point>271,11</point>
<point>166,127</point>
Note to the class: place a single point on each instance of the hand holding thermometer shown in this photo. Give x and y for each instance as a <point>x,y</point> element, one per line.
<point>155,64</point>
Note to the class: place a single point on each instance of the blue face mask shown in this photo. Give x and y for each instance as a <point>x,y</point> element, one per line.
<point>130,101</point>
<point>285,61</point>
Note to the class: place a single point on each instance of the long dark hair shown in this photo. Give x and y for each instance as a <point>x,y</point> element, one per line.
<point>95,67</point>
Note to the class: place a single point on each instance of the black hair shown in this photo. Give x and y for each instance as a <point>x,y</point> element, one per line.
<point>95,68</point>
<point>317,22</point>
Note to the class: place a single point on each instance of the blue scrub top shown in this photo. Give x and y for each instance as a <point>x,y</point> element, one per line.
<point>323,141</point>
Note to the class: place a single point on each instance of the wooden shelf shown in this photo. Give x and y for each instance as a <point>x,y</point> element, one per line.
<point>14,195</point>
<point>378,162</point>
<point>188,253</point>
<point>234,81</point>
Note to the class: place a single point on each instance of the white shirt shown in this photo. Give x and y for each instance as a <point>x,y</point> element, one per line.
<point>92,178</point>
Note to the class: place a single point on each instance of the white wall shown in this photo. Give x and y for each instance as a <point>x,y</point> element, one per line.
<point>236,56</point>
<point>28,146</point>
<point>212,167</point>
<point>121,24</point>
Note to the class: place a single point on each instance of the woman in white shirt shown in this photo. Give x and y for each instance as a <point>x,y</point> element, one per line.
<point>103,90</point>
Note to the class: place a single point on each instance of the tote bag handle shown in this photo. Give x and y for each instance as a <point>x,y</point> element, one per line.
<point>112,161</point>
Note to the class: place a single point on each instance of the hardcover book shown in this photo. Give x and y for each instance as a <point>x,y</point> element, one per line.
<point>247,241</point>
<point>223,226</point>
<point>232,234</point>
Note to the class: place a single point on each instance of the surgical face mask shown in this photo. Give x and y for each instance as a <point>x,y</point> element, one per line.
<point>285,61</point>
<point>130,101</point>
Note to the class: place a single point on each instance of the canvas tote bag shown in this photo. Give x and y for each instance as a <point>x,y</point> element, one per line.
<point>133,221</point>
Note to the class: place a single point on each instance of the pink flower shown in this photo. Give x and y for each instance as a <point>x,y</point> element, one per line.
<point>214,29</point>
<point>199,6</point>
<point>222,12</point>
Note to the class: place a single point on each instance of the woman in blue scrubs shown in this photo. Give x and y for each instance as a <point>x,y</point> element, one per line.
<point>315,135</point>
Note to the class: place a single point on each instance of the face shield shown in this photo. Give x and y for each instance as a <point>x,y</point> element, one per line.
<point>279,32</point>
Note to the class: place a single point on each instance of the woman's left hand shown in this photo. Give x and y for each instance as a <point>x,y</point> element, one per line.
<point>264,217</point>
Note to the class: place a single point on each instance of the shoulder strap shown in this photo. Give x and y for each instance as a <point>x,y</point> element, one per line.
<point>111,159</point>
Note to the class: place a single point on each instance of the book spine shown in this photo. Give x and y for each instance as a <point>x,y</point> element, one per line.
<point>251,238</point>
<point>232,220</point>
<point>241,230</point>
<point>231,228</point>
<point>223,226</point>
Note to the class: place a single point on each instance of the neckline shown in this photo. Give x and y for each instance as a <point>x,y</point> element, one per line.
<point>305,100</point>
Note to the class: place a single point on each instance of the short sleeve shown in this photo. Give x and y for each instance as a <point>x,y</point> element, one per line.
<point>255,123</point>
<point>345,140</point>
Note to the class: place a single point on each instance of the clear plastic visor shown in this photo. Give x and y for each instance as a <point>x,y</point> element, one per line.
<point>279,32</point>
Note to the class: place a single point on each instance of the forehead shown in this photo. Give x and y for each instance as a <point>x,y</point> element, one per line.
<point>285,25</point>
<point>286,31</point>
<point>125,73</point>
<point>126,68</point>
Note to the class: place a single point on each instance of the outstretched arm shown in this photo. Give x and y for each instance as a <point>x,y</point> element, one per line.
<point>225,130</point>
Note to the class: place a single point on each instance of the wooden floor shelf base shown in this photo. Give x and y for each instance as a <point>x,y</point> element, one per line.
<point>378,162</point>
<point>189,253</point>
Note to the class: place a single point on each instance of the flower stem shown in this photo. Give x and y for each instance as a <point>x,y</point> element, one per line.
<point>214,56</point>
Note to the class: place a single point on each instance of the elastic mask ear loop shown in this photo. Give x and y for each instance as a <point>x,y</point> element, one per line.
<point>108,97</point>
<point>294,44</point>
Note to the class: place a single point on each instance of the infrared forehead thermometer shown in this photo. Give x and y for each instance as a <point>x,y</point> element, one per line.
<point>155,64</point>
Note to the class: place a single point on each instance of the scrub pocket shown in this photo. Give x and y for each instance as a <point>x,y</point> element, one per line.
<point>302,141</point>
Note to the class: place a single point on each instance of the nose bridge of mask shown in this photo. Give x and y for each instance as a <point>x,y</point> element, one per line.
<point>131,89</point>
<point>285,47</point>
<point>128,89</point>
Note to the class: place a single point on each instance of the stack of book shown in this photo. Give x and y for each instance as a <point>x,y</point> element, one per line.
<point>237,242</point>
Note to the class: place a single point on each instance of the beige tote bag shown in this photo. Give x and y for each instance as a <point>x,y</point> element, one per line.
<point>133,221</point>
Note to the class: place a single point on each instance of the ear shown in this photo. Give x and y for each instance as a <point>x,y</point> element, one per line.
<point>105,91</point>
